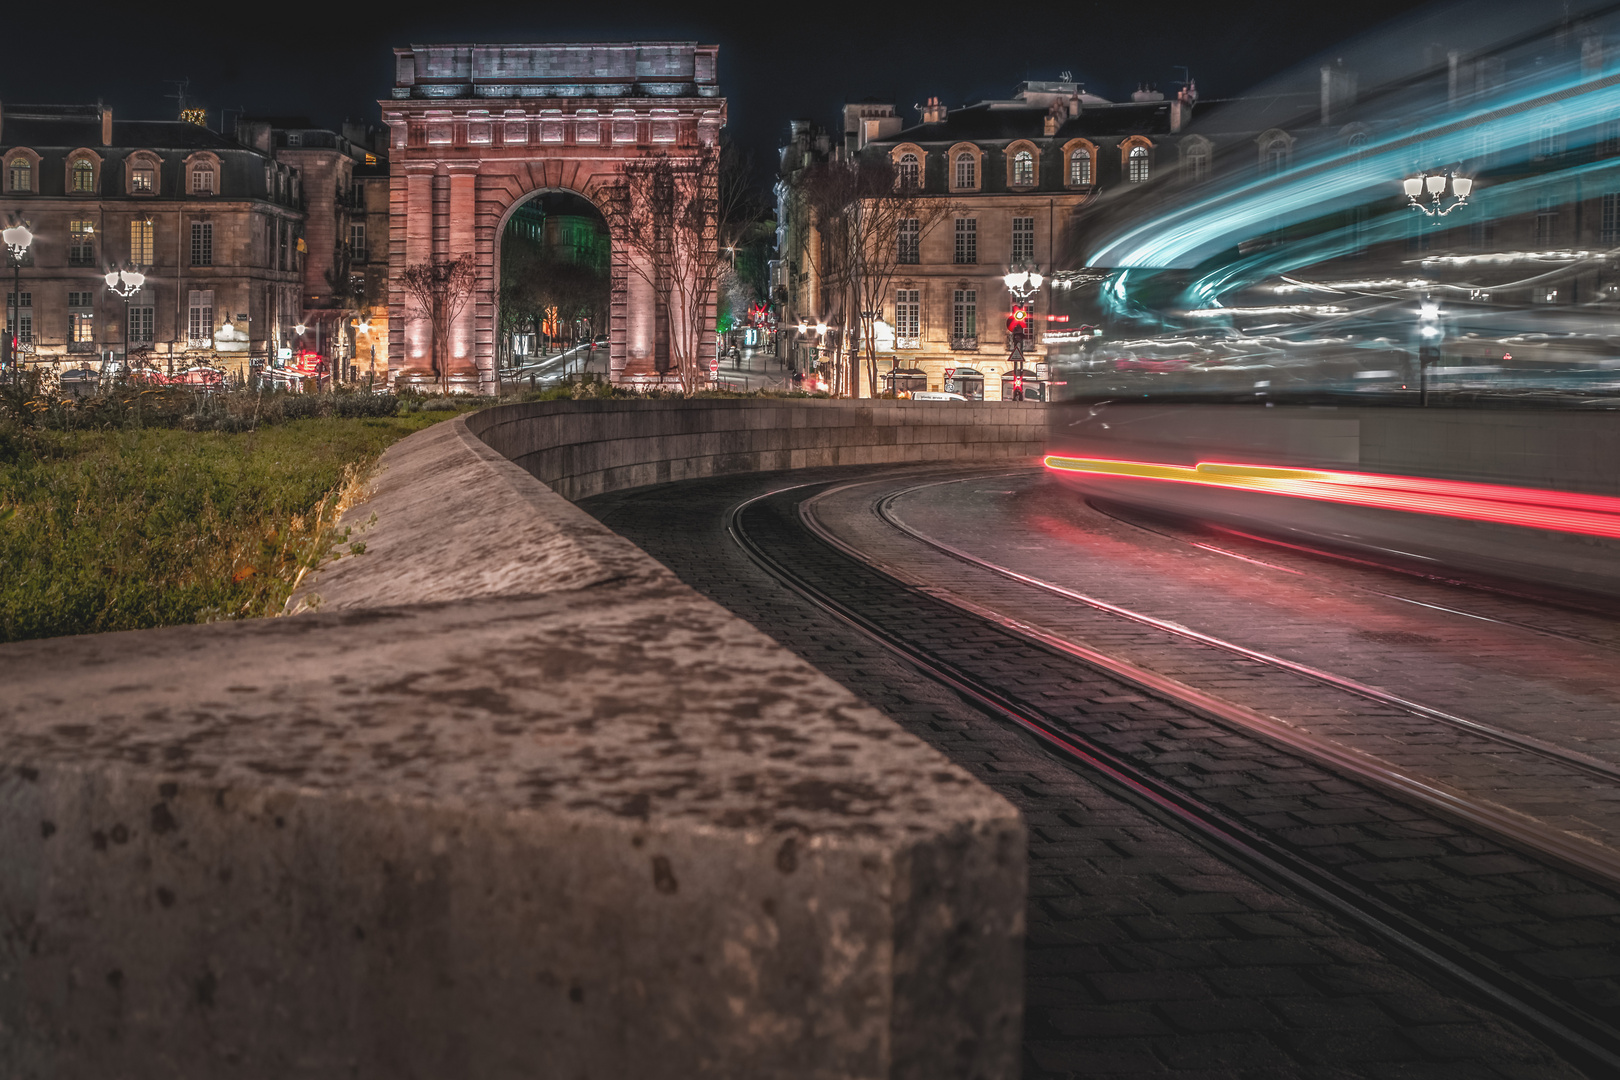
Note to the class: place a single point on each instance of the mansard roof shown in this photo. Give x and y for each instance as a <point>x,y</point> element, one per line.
<point>1001,121</point>
<point>67,126</point>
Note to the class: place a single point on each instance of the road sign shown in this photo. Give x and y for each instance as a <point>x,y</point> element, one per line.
<point>950,385</point>
<point>950,373</point>
<point>714,367</point>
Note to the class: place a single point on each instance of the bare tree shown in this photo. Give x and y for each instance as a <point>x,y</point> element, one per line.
<point>675,216</point>
<point>439,291</point>
<point>867,225</point>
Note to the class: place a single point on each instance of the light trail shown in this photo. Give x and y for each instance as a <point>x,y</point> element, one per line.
<point>1560,511</point>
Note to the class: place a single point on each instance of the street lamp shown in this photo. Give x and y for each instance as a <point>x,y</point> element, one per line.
<point>125,283</point>
<point>17,238</point>
<point>1432,186</point>
<point>1022,281</point>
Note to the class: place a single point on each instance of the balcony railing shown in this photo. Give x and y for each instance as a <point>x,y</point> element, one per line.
<point>964,344</point>
<point>907,343</point>
<point>81,346</point>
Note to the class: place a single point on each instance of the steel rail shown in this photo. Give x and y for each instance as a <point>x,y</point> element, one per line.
<point>1585,1037</point>
<point>1528,743</point>
<point>1102,506</point>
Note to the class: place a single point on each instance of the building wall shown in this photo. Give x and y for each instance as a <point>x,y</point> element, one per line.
<point>241,213</point>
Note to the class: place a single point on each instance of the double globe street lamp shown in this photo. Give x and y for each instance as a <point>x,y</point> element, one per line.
<point>125,284</point>
<point>17,237</point>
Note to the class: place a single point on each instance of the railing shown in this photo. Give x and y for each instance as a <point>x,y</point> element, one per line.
<point>907,343</point>
<point>81,347</point>
<point>200,343</point>
<point>964,344</point>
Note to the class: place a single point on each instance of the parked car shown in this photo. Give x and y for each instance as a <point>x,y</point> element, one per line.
<point>935,395</point>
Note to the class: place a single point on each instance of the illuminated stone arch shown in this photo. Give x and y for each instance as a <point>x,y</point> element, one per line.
<point>477,130</point>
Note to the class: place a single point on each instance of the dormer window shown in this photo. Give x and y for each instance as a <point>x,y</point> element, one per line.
<point>967,174</point>
<point>910,172</point>
<point>21,172</point>
<point>84,177</point>
<point>1138,169</point>
<point>202,180</point>
<point>1023,169</point>
<point>143,178</point>
<point>1080,168</point>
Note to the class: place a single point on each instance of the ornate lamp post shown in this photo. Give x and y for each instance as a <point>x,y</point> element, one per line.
<point>17,238</point>
<point>1023,281</point>
<point>125,283</point>
<point>1432,186</point>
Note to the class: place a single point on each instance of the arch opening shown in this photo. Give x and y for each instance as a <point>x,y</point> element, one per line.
<point>553,289</point>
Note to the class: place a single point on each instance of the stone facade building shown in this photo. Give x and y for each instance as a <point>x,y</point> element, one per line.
<point>475,130</point>
<point>213,224</point>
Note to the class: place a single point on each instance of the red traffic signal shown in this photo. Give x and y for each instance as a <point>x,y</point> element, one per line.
<point>1018,321</point>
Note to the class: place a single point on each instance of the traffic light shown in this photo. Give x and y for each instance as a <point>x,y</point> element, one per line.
<point>1018,321</point>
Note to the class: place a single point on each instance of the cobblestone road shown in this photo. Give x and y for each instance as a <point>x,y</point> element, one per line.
<point>1149,955</point>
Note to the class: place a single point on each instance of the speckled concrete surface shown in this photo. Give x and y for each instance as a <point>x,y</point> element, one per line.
<point>598,829</point>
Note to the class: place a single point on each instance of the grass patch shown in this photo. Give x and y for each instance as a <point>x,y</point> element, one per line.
<point>133,527</point>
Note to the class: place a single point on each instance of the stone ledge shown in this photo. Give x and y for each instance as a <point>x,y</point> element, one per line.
<point>570,818</point>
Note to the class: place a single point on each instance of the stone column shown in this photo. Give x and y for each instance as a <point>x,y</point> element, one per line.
<point>418,227</point>
<point>462,233</point>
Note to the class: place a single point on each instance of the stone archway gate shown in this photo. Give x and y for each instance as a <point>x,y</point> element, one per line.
<point>476,129</point>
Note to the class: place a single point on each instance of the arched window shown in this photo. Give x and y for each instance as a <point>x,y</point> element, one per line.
<point>910,172</point>
<point>1023,169</point>
<point>84,176</point>
<point>966,170</point>
<point>1080,168</point>
<point>1275,158</point>
<point>1139,168</point>
<point>1197,163</point>
<point>22,174</point>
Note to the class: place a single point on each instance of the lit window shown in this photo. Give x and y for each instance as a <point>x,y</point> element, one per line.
<point>966,170</point>
<point>967,240</point>
<point>81,243</point>
<point>202,181</point>
<point>1138,169</point>
<point>22,174</point>
<point>909,241</point>
<point>84,176</point>
<point>910,172</point>
<point>142,177</point>
<point>1023,239</point>
<point>1080,168</point>
<point>81,317</point>
<point>1023,170</point>
<point>140,243</point>
<point>202,243</point>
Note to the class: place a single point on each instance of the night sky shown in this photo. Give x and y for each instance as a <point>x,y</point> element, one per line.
<point>333,60</point>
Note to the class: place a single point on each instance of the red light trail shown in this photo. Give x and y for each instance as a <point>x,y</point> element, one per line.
<point>1561,511</point>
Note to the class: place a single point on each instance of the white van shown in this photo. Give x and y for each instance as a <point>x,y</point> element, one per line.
<point>935,395</point>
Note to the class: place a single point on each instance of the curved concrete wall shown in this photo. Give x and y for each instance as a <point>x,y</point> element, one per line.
<point>509,802</point>
<point>587,448</point>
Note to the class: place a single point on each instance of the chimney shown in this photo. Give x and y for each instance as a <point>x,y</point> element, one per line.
<point>933,112</point>
<point>1055,116</point>
<point>106,127</point>
<point>1338,90</point>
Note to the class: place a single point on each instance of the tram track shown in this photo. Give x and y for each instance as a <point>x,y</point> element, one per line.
<point>779,533</point>
<point>1529,744</point>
